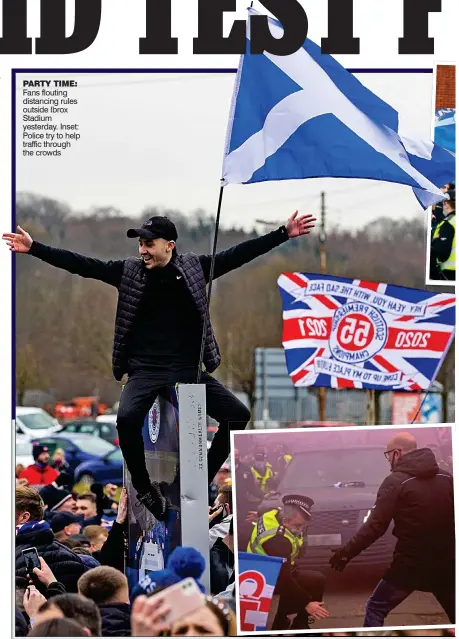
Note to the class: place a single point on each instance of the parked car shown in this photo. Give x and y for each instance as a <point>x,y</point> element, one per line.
<point>105,430</point>
<point>23,450</point>
<point>78,447</point>
<point>107,418</point>
<point>35,422</point>
<point>106,470</point>
<point>343,484</point>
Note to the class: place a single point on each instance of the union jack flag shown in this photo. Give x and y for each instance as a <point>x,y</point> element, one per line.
<point>346,333</point>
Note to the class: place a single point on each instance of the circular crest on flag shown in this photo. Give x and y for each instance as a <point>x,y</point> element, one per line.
<point>359,331</point>
<point>154,422</point>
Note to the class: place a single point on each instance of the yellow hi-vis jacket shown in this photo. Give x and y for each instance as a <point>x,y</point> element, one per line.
<point>262,479</point>
<point>450,264</point>
<point>268,527</point>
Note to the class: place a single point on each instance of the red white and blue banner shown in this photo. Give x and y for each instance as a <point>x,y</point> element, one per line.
<point>258,575</point>
<point>346,333</point>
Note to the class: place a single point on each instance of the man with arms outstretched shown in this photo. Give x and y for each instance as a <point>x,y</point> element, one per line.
<point>161,315</point>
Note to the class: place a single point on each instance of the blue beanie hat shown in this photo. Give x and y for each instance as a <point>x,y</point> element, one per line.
<point>183,562</point>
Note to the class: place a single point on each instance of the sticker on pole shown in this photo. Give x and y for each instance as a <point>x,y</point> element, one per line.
<point>154,422</point>
<point>345,333</point>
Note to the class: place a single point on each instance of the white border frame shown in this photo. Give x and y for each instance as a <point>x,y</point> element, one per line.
<point>428,212</point>
<point>315,631</point>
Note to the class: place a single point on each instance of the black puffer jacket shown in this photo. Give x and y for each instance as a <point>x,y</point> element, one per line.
<point>418,497</point>
<point>66,566</point>
<point>128,276</point>
<point>116,620</point>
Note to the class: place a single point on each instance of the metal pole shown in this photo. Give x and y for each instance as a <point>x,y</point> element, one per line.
<point>211,275</point>
<point>371,408</point>
<point>323,270</point>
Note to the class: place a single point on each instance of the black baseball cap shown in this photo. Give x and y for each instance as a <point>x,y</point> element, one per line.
<point>61,520</point>
<point>156,227</point>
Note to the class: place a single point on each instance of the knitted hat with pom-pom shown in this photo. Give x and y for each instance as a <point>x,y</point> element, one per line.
<point>183,562</point>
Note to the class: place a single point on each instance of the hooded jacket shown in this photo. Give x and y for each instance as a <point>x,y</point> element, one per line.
<point>116,619</point>
<point>66,566</point>
<point>38,475</point>
<point>129,277</point>
<point>418,497</point>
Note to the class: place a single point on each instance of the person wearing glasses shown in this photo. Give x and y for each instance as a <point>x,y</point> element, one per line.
<point>418,497</point>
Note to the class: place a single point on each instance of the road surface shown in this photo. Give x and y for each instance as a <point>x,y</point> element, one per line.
<point>345,598</point>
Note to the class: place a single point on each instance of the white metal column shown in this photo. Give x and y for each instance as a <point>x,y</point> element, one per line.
<point>193,470</point>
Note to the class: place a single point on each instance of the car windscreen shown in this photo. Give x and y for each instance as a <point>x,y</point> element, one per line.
<point>23,448</point>
<point>37,421</point>
<point>115,456</point>
<point>93,445</point>
<point>317,469</point>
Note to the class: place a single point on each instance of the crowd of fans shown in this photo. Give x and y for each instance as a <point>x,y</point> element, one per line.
<point>78,587</point>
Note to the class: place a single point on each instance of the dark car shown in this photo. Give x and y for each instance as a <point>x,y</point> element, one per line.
<point>343,484</point>
<point>78,448</point>
<point>105,470</point>
<point>104,430</point>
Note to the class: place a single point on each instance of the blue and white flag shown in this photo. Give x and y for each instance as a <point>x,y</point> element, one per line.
<point>445,129</point>
<point>304,116</point>
<point>346,333</point>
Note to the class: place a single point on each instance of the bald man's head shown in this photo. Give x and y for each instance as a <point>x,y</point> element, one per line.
<point>398,446</point>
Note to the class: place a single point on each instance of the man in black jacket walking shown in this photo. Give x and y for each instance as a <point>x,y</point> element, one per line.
<point>418,497</point>
<point>162,313</point>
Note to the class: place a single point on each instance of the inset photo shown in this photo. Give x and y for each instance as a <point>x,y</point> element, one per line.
<point>441,255</point>
<point>344,528</point>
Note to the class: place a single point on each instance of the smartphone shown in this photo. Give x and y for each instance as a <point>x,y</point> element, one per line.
<point>182,598</point>
<point>32,559</point>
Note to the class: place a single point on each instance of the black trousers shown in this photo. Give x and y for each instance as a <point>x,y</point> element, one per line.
<point>311,581</point>
<point>136,400</point>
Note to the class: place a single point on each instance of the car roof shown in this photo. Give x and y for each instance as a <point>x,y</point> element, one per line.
<point>340,449</point>
<point>75,437</point>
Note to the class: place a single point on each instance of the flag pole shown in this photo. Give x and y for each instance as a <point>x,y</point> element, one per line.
<point>323,270</point>
<point>209,292</point>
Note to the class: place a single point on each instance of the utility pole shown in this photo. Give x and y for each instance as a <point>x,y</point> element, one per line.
<point>323,270</point>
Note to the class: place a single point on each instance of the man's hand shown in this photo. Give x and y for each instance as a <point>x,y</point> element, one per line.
<point>44,573</point>
<point>339,560</point>
<point>18,242</point>
<point>111,490</point>
<point>147,617</point>
<point>213,515</point>
<point>252,516</point>
<point>301,225</point>
<point>32,601</point>
<point>122,507</point>
<point>314,608</point>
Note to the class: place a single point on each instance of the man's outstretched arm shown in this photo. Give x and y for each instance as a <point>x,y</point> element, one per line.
<point>109,272</point>
<point>375,526</point>
<point>241,254</point>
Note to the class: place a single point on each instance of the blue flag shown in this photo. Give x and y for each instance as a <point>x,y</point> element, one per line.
<point>258,576</point>
<point>346,333</point>
<point>445,129</point>
<point>304,116</point>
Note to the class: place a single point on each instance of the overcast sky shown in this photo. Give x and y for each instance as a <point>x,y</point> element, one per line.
<point>157,140</point>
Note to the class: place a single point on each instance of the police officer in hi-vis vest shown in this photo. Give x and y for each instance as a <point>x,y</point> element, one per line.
<point>261,469</point>
<point>280,533</point>
<point>443,242</point>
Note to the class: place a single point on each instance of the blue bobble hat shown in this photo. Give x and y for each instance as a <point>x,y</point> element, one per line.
<point>183,562</point>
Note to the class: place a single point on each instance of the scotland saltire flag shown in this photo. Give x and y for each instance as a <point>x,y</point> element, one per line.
<point>445,129</point>
<point>346,333</point>
<point>304,116</point>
